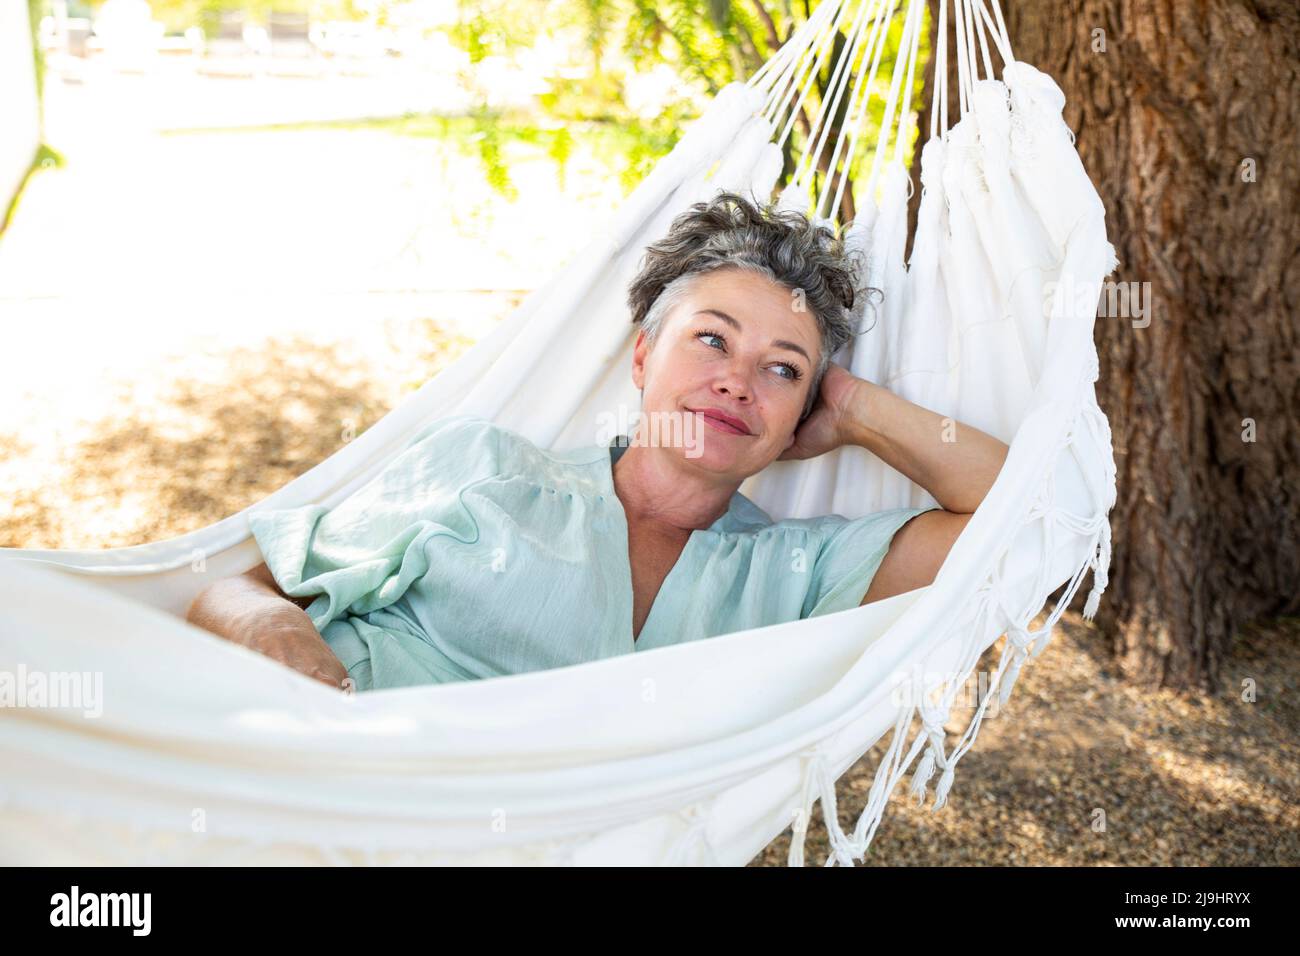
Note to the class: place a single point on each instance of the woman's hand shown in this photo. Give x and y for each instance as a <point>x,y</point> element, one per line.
<point>293,641</point>
<point>826,427</point>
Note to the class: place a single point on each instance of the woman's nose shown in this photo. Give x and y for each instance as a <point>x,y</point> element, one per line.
<point>734,383</point>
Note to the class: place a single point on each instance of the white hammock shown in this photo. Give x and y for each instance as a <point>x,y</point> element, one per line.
<point>698,753</point>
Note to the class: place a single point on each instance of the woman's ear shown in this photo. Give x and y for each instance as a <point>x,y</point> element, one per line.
<point>638,361</point>
<point>790,440</point>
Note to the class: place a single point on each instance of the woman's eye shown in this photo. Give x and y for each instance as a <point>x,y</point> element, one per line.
<point>792,373</point>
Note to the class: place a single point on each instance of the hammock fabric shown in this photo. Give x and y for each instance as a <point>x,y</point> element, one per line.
<point>205,752</point>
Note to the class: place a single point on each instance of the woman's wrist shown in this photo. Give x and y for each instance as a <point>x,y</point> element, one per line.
<point>860,415</point>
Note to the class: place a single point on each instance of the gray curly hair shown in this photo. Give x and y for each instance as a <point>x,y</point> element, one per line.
<point>731,231</point>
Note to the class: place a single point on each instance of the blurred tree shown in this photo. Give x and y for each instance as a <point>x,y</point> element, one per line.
<point>36,9</point>
<point>622,43</point>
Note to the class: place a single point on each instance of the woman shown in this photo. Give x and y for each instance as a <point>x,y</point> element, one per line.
<point>476,554</point>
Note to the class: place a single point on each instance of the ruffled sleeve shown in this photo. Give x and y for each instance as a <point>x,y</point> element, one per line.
<point>364,553</point>
<point>850,554</point>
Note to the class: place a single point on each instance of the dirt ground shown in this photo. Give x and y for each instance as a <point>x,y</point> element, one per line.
<point>1177,780</point>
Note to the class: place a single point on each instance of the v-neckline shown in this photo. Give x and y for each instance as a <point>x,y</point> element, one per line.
<point>634,639</point>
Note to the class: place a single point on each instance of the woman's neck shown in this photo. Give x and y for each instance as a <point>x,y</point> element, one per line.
<point>654,488</point>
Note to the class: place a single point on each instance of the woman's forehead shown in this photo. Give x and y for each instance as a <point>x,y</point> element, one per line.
<point>735,281</point>
<point>751,302</point>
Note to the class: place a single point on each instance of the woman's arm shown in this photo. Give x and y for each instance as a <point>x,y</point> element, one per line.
<point>250,609</point>
<point>956,463</point>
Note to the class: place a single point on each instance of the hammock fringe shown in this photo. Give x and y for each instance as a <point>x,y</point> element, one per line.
<point>1021,645</point>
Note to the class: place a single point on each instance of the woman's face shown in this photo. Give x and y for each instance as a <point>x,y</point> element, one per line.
<point>742,345</point>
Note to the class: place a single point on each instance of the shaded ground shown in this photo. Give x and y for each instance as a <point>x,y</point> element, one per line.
<point>1180,781</point>
<point>216,434</point>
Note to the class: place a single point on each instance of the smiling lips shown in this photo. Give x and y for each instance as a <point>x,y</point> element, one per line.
<point>718,419</point>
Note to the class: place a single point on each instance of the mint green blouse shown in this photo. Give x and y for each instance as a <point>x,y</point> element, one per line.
<point>477,554</point>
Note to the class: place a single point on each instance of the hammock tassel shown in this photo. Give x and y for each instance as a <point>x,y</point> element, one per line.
<point>921,776</point>
<point>796,844</point>
<point>941,791</point>
<point>1008,682</point>
<point>947,763</point>
<point>1100,572</point>
<point>933,721</point>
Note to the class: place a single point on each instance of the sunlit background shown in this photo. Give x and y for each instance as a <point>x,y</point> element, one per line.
<point>253,227</point>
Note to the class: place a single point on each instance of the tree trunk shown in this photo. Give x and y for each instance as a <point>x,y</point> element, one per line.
<point>1186,117</point>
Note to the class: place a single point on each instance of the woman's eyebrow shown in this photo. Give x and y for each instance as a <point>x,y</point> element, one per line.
<point>778,343</point>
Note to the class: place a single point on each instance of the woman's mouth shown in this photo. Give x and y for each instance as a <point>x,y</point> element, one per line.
<point>719,421</point>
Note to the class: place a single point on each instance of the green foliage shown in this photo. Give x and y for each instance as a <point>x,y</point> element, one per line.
<point>35,11</point>
<point>615,43</point>
<point>707,44</point>
<point>46,158</point>
<point>488,137</point>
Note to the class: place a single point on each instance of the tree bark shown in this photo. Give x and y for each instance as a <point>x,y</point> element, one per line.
<point>1187,118</point>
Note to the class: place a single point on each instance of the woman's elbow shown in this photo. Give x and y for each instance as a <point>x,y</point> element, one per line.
<point>214,603</point>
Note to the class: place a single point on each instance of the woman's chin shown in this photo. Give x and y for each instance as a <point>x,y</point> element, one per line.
<point>715,455</point>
